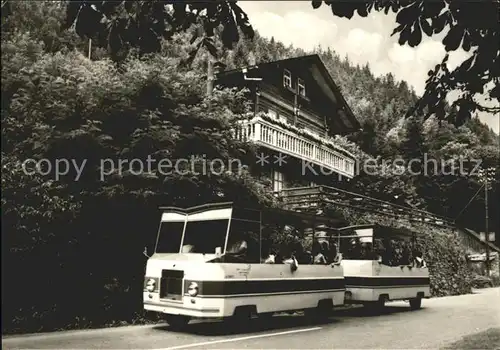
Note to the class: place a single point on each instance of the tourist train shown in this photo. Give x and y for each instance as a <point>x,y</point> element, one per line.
<point>220,261</point>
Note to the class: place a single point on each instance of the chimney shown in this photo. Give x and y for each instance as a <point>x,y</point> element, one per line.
<point>219,67</point>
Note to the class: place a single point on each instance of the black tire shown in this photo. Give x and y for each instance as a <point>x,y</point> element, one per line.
<point>317,315</point>
<point>415,303</point>
<point>241,319</point>
<point>376,306</point>
<point>311,315</point>
<point>177,321</point>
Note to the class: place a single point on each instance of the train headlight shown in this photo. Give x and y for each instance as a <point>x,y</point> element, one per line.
<point>150,285</point>
<point>193,289</point>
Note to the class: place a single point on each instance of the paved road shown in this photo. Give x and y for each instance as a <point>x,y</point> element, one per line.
<point>439,322</point>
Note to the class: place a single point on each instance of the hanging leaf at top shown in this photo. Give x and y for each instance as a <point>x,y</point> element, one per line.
<point>469,25</point>
<point>145,24</point>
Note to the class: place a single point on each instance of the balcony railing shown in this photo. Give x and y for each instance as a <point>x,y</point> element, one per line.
<point>314,198</point>
<point>277,138</point>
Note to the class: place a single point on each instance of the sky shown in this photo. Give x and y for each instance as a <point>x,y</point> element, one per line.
<point>363,40</point>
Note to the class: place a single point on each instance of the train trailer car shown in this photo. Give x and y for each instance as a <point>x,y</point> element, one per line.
<point>382,264</point>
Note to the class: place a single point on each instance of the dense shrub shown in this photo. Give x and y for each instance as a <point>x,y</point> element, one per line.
<point>73,247</point>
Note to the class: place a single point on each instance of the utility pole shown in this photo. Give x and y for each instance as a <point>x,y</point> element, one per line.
<point>483,178</point>
<point>486,228</point>
<point>90,48</point>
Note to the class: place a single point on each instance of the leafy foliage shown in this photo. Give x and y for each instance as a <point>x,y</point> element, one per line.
<point>89,232</point>
<point>122,25</point>
<point>42,19</point>
<point>472,26</point>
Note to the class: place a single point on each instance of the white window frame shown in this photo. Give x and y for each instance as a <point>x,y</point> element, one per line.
<point>278,181</point>
<point>301,87</point>
<point>287,78</point>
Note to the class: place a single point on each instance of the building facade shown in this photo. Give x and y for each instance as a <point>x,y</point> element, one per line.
<point>298,109</point>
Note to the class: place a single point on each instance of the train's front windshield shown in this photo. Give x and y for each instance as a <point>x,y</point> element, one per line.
<point>205,237</point>
<point>170,237</point>
<point>202,232</point>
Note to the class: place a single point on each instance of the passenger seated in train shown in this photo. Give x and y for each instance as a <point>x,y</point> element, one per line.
<point>332,253</point>
<point>378,250</point>
<point>307,258</point>
<point>418,260</point>
<point>405,255</point>
<point>278,257</point>
<point>292,261</point>
<point>271,257</point>
<point>239,247</point>
<point>366,251</point>
<point>302,256</point>
<point>335,255</point>
<point>294,247</point>
<point>286,254</point>
<point>325,249</point>
<point>318,256</point>
<point>354,249</point>
<point>237,250</point>
<point>387,253</point>
<point>282,253</point>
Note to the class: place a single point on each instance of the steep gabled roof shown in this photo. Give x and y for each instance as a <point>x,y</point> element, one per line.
<point>352,123</point>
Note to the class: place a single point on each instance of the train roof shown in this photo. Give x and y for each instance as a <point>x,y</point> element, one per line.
<point>332,225</point>
<point>261,214</point>
<point>198,208</point>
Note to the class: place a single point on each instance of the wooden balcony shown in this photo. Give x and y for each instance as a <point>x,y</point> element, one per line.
<point>315,199</point>
<point>321,153</point>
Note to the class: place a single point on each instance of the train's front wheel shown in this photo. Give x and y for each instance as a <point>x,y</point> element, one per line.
<point>177,321</point>
<point>321,313</point>
<point>415,303</point>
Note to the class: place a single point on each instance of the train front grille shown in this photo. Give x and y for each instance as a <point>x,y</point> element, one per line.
<point>171,284</point>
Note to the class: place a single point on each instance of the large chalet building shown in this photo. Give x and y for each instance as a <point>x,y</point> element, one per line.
<point>298,109</point>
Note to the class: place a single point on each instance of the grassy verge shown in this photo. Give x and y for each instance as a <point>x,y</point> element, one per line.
<point>486,340</point>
